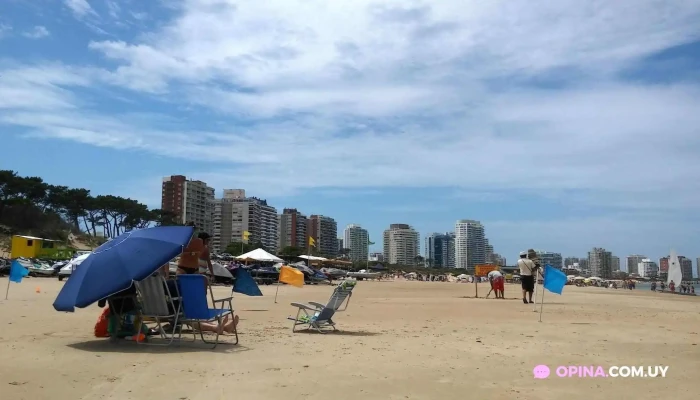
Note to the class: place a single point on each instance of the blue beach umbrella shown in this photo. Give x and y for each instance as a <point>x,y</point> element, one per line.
<point>115,265</point>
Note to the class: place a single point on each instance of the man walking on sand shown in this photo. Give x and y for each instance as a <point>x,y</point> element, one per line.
<point>527,278</point>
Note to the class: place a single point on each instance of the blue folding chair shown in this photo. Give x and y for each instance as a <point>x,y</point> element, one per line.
<point>195,307</point>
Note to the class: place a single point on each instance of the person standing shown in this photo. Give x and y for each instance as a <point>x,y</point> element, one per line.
<point>205,265</point>
<point>188,263</point>
<point>527,276</point>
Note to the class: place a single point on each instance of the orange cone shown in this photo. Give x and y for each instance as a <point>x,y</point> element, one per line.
<point>38,289</point>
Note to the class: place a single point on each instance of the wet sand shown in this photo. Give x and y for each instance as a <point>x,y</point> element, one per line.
<point>398,340</point>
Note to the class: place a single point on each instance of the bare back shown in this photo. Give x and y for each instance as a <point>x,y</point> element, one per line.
<point>189,258</point>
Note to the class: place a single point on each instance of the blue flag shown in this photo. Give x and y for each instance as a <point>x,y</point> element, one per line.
<point>17,272</point>
<point>554,280</point>
<point>245,284</point>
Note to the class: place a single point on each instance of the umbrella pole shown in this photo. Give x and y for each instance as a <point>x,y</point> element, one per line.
<point>542,304</point>
<point>7,292</point>
<point>534,295</point>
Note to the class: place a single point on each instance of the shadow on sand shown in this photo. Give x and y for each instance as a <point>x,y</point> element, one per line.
<point>340,333</point>
<point>125,346</point>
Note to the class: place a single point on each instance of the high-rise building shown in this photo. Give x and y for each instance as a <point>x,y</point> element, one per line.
<point>583,265</point>
<point>324,231</point>
<point>470,245</point>
<point>697,267</point>
<point>632,263</point>
<point>190,201</point>
<point>357,240</point>
<point>600,263</point>
<point>235,213</point>
<point>551,258</point>
<point>341,245</point>
<point>686,267</point>
<point>440,250</point>
<point>401,244</point>
<point>663,265</point>
<point>570,261</point>
<point>615,263</point>
<point>499,260</point>
<point>647,268</point>
<point>292,229</point>
<point>488,252</point>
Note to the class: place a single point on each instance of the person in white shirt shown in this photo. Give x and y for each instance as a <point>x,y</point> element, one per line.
<point>497,285</point>
<point>528,269</point>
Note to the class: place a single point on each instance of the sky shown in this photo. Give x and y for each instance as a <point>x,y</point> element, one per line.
<point>559,125</point>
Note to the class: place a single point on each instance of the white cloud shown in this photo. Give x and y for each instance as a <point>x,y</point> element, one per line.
<point>37,32</point>
<point>397,94</point>
<point>5,30</point>
<point>80,8</point>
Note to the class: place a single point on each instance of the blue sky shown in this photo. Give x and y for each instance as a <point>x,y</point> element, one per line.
<point>560,125</point>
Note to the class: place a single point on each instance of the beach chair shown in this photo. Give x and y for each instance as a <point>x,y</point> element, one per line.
<point>316,316</point>
<point>195,306</point>
<point>220,303</point>
<point>159,304</point>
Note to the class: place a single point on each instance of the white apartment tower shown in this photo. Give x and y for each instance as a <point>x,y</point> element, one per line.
<point>647,268</point>
<point>401,244</point>
<point>356,239</point>
<point>470,245</point>
<point>235,213</point>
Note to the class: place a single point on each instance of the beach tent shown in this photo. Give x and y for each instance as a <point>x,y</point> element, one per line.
<point>259,255</point>
<point>313,258</point>
<point>595,278</point>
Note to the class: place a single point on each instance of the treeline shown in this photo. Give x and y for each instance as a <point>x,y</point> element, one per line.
<point>28,204</point>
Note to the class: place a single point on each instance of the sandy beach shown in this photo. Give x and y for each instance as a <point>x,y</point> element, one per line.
<point>398,340</point>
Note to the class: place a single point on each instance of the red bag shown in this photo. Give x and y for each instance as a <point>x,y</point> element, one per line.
<point>102,324</point>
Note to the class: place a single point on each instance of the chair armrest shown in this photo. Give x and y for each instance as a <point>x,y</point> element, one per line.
<point>317,305</point>
<point>223,300</point>
<point>303,306</point>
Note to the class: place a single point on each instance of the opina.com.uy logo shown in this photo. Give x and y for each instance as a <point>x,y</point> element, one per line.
<point>590,371</point>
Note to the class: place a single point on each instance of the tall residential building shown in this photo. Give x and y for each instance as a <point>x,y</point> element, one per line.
<point>470,245</point>
<point>341,245</point>
<point>600,263</point>
<point>190,201</point>
<point>647,268</point>
<point>440,250</point>
<point>292,229</point>
<point>357,240</point>
<point>697,267</point>
<point>488,252</point>
<point>663,265</point>
<point>584,266</point>
<point>633,262</point>
<point>235,213</point>
<point>686,267</point>
<point>551,258</point>
<point>324,231</point>
<point>615,263</point>
<point>570,261</point>
<point>401,244</point>
<point>499,260</point>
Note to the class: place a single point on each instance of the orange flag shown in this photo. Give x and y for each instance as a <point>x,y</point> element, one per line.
<point>291,276</point>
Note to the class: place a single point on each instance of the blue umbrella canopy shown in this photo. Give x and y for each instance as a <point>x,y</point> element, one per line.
<point>115,265</point>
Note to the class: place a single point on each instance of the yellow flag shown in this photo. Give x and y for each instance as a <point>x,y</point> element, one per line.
<point>246,235</point>
<point>312,242</point>
<point>291,276</point>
